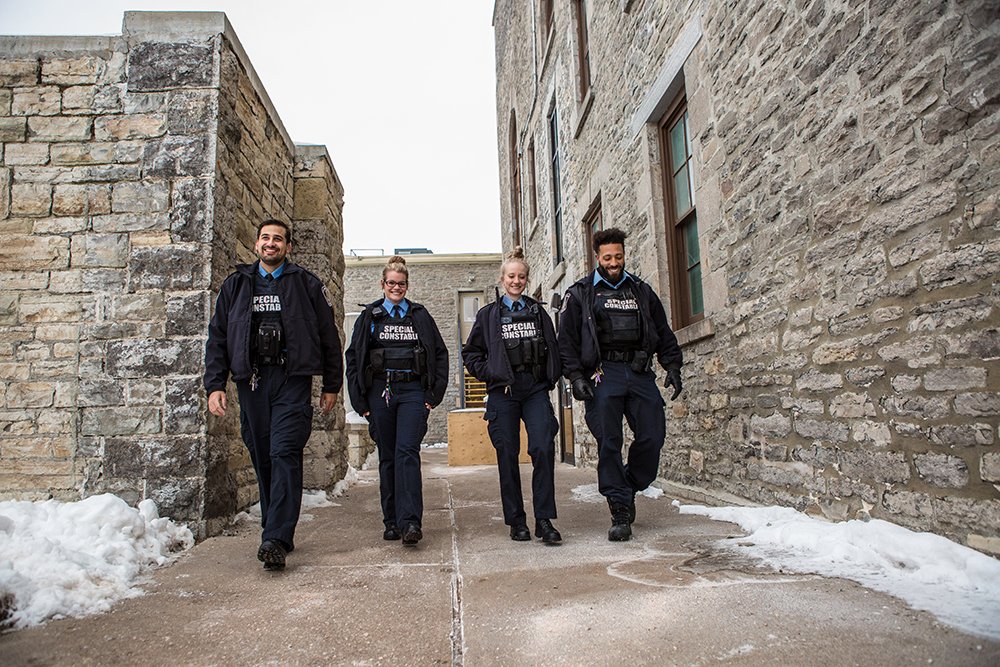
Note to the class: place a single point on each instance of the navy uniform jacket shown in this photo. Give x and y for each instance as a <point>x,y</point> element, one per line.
<point>435,380</point>
<point>486,358</point>
<point>581,354</point>
<point>312,342</point>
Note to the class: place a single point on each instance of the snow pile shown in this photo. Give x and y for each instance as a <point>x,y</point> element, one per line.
<point>371,461</point>
<point>341,487</point>
<point>959,585</point>
<point>435,445</point>
<point>73,559</point>
<point>310,498</point>
<point>587,493</point>
<point>353,417</point>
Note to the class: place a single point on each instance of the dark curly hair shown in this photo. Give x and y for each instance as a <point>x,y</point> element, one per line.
<point>606,236</point>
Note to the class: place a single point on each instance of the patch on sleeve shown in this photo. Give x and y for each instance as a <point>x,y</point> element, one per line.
<point>565,303</point>
<point>327,296</point>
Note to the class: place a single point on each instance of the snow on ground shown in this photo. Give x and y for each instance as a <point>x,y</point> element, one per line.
<point>435,445</point>
<point>73,559</point>
<point>959,585</point>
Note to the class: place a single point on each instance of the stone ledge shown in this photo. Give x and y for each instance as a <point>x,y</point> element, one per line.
<point>702,495</point>
<point>694,332</point>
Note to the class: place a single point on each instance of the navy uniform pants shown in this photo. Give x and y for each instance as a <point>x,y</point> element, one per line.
<point>275,422</point>
<point>528,400</point>
<point>398,429</point>
<point>624,393</point>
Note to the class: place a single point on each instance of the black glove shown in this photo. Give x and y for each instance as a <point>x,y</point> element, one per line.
<point>673,379</point>
<point>582,390</point>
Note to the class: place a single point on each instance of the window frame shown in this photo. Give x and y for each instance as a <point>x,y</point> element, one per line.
<point>594,214</point>
<point>515,182</point>
<point>556,176</point>
<point>532,180</point>
<point>676,223</point>
<point>583,51</point>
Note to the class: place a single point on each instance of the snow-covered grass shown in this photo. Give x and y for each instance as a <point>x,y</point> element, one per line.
<point>73,559</point>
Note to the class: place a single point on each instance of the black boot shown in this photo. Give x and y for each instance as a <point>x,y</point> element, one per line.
<point>621,530</point>
<point>411,535</point>
<point>519,532</point>
<point>547,532</point>
<point>272,554</point>
<point>631,510</point>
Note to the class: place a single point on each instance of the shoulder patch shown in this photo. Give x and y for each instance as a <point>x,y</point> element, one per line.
<point>327,296</point>
<point>565,303</point>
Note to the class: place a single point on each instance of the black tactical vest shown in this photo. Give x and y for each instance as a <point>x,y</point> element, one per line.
<point>619,322</point>
<point>267,338</point>
<point>521,331</point>
<point>394,343</point>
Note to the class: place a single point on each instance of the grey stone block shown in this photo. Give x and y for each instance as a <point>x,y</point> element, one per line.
<point>154,66</point>
<point>942,470</point>
<point>148,358</point>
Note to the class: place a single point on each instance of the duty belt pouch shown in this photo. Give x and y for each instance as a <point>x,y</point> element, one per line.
<point>376,359</point>
<point>269,343</point>
<point>420,360</point>
<point>641,362</point>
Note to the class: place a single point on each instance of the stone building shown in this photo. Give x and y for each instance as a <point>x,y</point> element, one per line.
<point>812,188</point>
<point>452,287</point>
<point>134,171</point>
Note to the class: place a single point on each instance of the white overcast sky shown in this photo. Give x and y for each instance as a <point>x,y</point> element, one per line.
<point>401,92</point>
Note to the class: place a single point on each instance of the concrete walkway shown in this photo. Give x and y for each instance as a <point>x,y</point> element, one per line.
<point>468,595</point>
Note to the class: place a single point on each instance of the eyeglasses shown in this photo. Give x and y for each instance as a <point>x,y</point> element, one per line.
<point>393,283</point>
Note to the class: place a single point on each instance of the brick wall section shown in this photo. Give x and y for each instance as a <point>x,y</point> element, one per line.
<point>134,172</point>
<point>435,282</point>
<point>847,186</point>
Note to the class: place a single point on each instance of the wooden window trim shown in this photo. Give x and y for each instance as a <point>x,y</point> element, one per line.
<point>583,51</point>
<point>555,166</point>
<point>680,291</point>
<point>515,182</point>
<point>594,214</point>
<point>532,180</point>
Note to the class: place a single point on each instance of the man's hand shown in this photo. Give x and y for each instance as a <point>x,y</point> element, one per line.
<point>673,379</point>
<point>327,401</point>
<point>582,390</point>
<point>217,403</point>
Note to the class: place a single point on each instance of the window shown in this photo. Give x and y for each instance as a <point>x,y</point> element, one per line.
<point>473,391</point>
<point>533,184</point>
<point>583,39</point>
<point>593,222</point>
<point>557,240</point>
<point>515,182</point>
<point>681,216</point>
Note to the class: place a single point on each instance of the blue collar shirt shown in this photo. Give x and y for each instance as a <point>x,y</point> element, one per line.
<point>509,304</point>
<point>404,307</point>
<point>274,274</point>
<point>598,278</point>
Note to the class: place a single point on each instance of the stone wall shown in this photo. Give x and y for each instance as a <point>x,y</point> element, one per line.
<point>435,282</point>
<point>135,169</point>
<point>846,175</point>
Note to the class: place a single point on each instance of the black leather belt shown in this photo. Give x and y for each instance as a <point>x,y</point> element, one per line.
<point>399,376</point>
<point>618,355</point>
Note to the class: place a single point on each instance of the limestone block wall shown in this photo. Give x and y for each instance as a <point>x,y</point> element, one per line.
<point>436,281</point>
<point>129,186</point>
<point>845,160</point>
